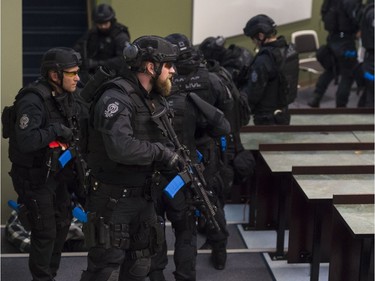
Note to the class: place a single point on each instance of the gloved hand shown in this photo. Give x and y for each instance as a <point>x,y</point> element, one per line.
<point>173,160</point>
<point>63,132</point>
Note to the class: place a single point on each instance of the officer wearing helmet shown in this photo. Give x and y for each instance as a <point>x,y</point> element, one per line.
<point>191,115</point>
<point>262,87</point>
<point>367,24</point>
<point>127,154</point>
<point>193,76</point>
<point>45,115</point>
<point>103,43</point>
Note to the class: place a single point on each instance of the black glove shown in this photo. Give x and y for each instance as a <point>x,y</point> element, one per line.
<point>63,132</point>
<point>173,160</point>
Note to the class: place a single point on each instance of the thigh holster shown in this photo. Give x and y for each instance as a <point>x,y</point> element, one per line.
<point>120,237</point>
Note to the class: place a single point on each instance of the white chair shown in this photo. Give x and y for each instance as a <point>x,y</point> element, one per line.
<point>307,43</point>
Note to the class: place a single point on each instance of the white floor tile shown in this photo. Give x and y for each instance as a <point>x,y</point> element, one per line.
<point>283,271</point>
<point>236,213</point>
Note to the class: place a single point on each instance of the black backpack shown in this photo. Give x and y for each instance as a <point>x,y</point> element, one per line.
<point>8,116</point>
<point>240,100</point>
<point>329,14</point>
<point>237,61</point>
<point>288,74</point>
<point>341,16</point>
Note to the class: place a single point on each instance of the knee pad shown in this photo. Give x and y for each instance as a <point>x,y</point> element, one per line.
<point>140,267</point>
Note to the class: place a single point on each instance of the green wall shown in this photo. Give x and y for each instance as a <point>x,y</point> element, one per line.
<point>11,82</point>
<point>164,17</point>
<point>143,17</point>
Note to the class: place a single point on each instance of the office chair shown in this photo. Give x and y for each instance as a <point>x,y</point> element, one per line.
<point>306,43</point>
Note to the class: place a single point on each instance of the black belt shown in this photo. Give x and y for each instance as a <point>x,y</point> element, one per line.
<point>119,190</point>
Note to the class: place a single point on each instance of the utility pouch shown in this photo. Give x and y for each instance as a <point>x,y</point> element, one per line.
<point>120,236</point>
<point>157,235</point>
<point>104,239</point>
<point>55,159</point>
<point>89,231</point>
<point>160,232</point>
<point>23,216</point>
<point>7,120</point>
<point>34,214</point>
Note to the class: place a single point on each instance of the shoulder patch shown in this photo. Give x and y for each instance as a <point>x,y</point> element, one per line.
<point>24,121</point>
<point>112,108</point>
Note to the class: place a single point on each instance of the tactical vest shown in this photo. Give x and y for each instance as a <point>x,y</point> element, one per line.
<point>197,82</point>
<point>143,129</point>
<point>233,115</point>
<point>287,72</point>
<point>184,120</point>
<point>335,19</point>
<point>103,47</point>
<point>35,159</point>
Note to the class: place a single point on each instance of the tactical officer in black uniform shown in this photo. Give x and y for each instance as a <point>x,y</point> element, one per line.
<point>127,151</point>
<point>262,87</point>
<point>103,44</point>
<point>45,115</point>
<point>235,59</point>
<point>342,26</point>
<point>227,65</point>
<point>367,73</point>
<point>194,76</point>
<point>191,114</point>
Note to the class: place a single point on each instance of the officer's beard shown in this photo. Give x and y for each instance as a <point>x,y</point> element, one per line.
<point>164,86</point>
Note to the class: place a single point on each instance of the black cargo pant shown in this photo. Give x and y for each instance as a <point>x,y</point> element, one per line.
<point>49,207</point>
<point>123,244</point>
<point>344,50</point>
<point>183,220</point>
<point>216,185</point>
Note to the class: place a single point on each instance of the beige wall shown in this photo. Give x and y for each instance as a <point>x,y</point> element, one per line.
<point>161,17</point>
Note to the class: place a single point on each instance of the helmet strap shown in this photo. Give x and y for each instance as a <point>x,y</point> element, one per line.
<point>57,84</point>
<point>60,74</point>
<point>158,67</point>
<point>156,70</point>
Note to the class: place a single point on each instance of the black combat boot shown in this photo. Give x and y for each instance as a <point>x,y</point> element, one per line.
<point>219,255</point>
<point>156,275</point>
<point>315,101</point>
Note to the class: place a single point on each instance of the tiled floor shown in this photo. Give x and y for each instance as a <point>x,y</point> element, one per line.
<point>265,242</point>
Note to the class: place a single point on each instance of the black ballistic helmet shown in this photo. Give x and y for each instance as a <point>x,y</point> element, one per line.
<point>59,59</point>
<point>213,48</point>
<point>103,13</point>
<point>149,48</point>
<point>186,50</point>
<point>260,24</point>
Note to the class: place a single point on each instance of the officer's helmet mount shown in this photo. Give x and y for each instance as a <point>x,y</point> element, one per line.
<point>260,24</point>
<point>58,59</point>
<point>149,48</point>
<point>103,13</point>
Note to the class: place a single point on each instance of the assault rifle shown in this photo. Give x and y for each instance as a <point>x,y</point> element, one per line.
<point>88,94</point>
<point>73,152</point>
<point>191,176</point>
